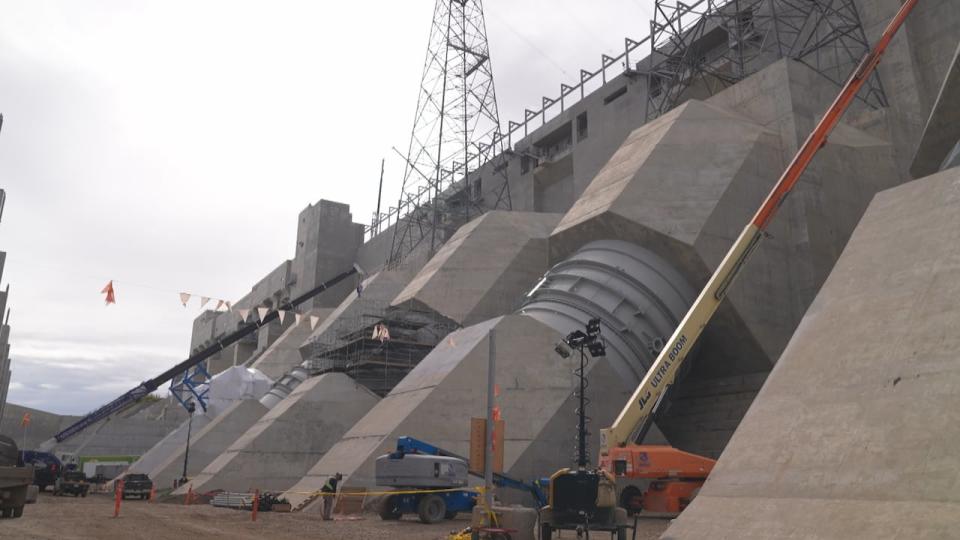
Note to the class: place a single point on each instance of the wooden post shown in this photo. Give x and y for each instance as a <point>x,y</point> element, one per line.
<point>256,504</point>
<point>187,500</point>
<point>153,493</point>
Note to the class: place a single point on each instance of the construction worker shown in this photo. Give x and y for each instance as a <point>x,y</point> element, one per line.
<point>329,497</point>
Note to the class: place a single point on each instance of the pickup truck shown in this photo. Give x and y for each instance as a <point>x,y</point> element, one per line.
<point>14,479</point>
<point>72,483</point>
<point>46,467</point>
<point>137,485</point>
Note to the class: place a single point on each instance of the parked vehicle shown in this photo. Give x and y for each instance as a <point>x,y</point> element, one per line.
<point>137,485</point>
<point>15,478</point>
<point>46,467</point>
<point>72,483</point>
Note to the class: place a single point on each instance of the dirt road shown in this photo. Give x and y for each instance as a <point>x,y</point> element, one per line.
<point>59,518</point>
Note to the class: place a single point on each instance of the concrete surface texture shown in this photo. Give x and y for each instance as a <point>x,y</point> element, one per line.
<point>854,434</point>
<point>208,442</point>
<point>127,434</point>
<point>672,188</point>
<point>284,353</point>
<point>942,132</point>
<point>282,446</point>
<point>485,268</point>
<point>686,184</point>
<point>43,425</point>
<point>437,399</point>
<point>174,441</point>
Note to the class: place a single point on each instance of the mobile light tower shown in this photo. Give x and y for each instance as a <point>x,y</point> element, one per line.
<point>590,340</point>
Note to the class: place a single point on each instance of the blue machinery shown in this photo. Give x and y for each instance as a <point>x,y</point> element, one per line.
<point>456,501</point>
<point>194,385</point>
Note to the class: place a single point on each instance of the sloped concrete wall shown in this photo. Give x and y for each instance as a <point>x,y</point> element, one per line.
<point>282,446</point>
<point>284,354</point>
<point>208,442</point>
<point>855,433</point>
<point>159,453</point>
<point>131,433</point>
<point>437,399</point>
<point>485,268</point>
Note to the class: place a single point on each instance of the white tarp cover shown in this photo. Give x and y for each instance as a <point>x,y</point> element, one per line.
<point>236,383</point>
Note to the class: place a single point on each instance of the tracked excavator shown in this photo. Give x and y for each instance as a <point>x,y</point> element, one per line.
<point>585,499</point>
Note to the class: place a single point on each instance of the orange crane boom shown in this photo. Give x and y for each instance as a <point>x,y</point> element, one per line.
<point>676,475</point>
<point>681,472</point>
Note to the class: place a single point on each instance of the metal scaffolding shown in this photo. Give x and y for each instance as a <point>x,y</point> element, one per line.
<point>699,48</point>
<point>375,360</point>
<point>456,130</point>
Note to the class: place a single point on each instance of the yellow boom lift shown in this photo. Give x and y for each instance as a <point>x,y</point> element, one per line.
<point>584,500</point>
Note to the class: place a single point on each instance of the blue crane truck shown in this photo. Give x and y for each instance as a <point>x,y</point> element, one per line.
<point>416,465</point>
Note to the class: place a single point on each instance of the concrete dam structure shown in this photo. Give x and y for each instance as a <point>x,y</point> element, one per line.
<point>814,383</point>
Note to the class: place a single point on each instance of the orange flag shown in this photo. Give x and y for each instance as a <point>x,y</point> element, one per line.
<point>26,420</point>
<point>108,290</point>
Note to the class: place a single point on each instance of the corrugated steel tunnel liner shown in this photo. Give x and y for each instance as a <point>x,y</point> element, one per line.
<point>639,297</point>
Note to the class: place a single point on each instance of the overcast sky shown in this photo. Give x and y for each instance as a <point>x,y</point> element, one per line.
<point>169,145</point>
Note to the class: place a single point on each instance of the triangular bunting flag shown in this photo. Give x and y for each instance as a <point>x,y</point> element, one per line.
<point>108,290</point>
<point>281,313</point>
<point>184,298</point>
<point>313,322</point>
<point>219,305</point>
<point>227,303</point>
<point>243,314</point>
<point>204,300</point>
<point>296,318</point>
<point>262,311</point>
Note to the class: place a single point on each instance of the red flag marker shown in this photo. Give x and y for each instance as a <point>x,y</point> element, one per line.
<point>108,290</point>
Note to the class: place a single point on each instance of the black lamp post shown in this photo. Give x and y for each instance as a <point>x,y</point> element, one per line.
<point>186,454</point>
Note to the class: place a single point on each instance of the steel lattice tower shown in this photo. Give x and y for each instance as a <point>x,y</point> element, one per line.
<point>456,129</point>
<point>688,53</point>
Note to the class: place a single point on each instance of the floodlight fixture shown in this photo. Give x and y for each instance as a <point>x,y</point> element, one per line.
<point>577,339</point>
<point>597,349</point>
<point>593,326</point>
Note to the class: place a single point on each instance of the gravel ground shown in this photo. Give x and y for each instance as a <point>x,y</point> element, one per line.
<point>56,518</point>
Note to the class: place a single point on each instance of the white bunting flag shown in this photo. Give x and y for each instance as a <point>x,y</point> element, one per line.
<point>243,314</point>
<point>313,322</point>
<point>227,303</point>
<point>262,311</point>
<point>184,298</point>
<point>219,305</point>
<point>282,314</point>
<point>296,318</point>
<point>204,300</point>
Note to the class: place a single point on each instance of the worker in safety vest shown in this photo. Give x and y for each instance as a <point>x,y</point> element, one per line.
<point>329,491</point>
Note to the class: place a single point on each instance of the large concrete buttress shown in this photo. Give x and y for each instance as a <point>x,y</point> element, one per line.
<point>639,297</point>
